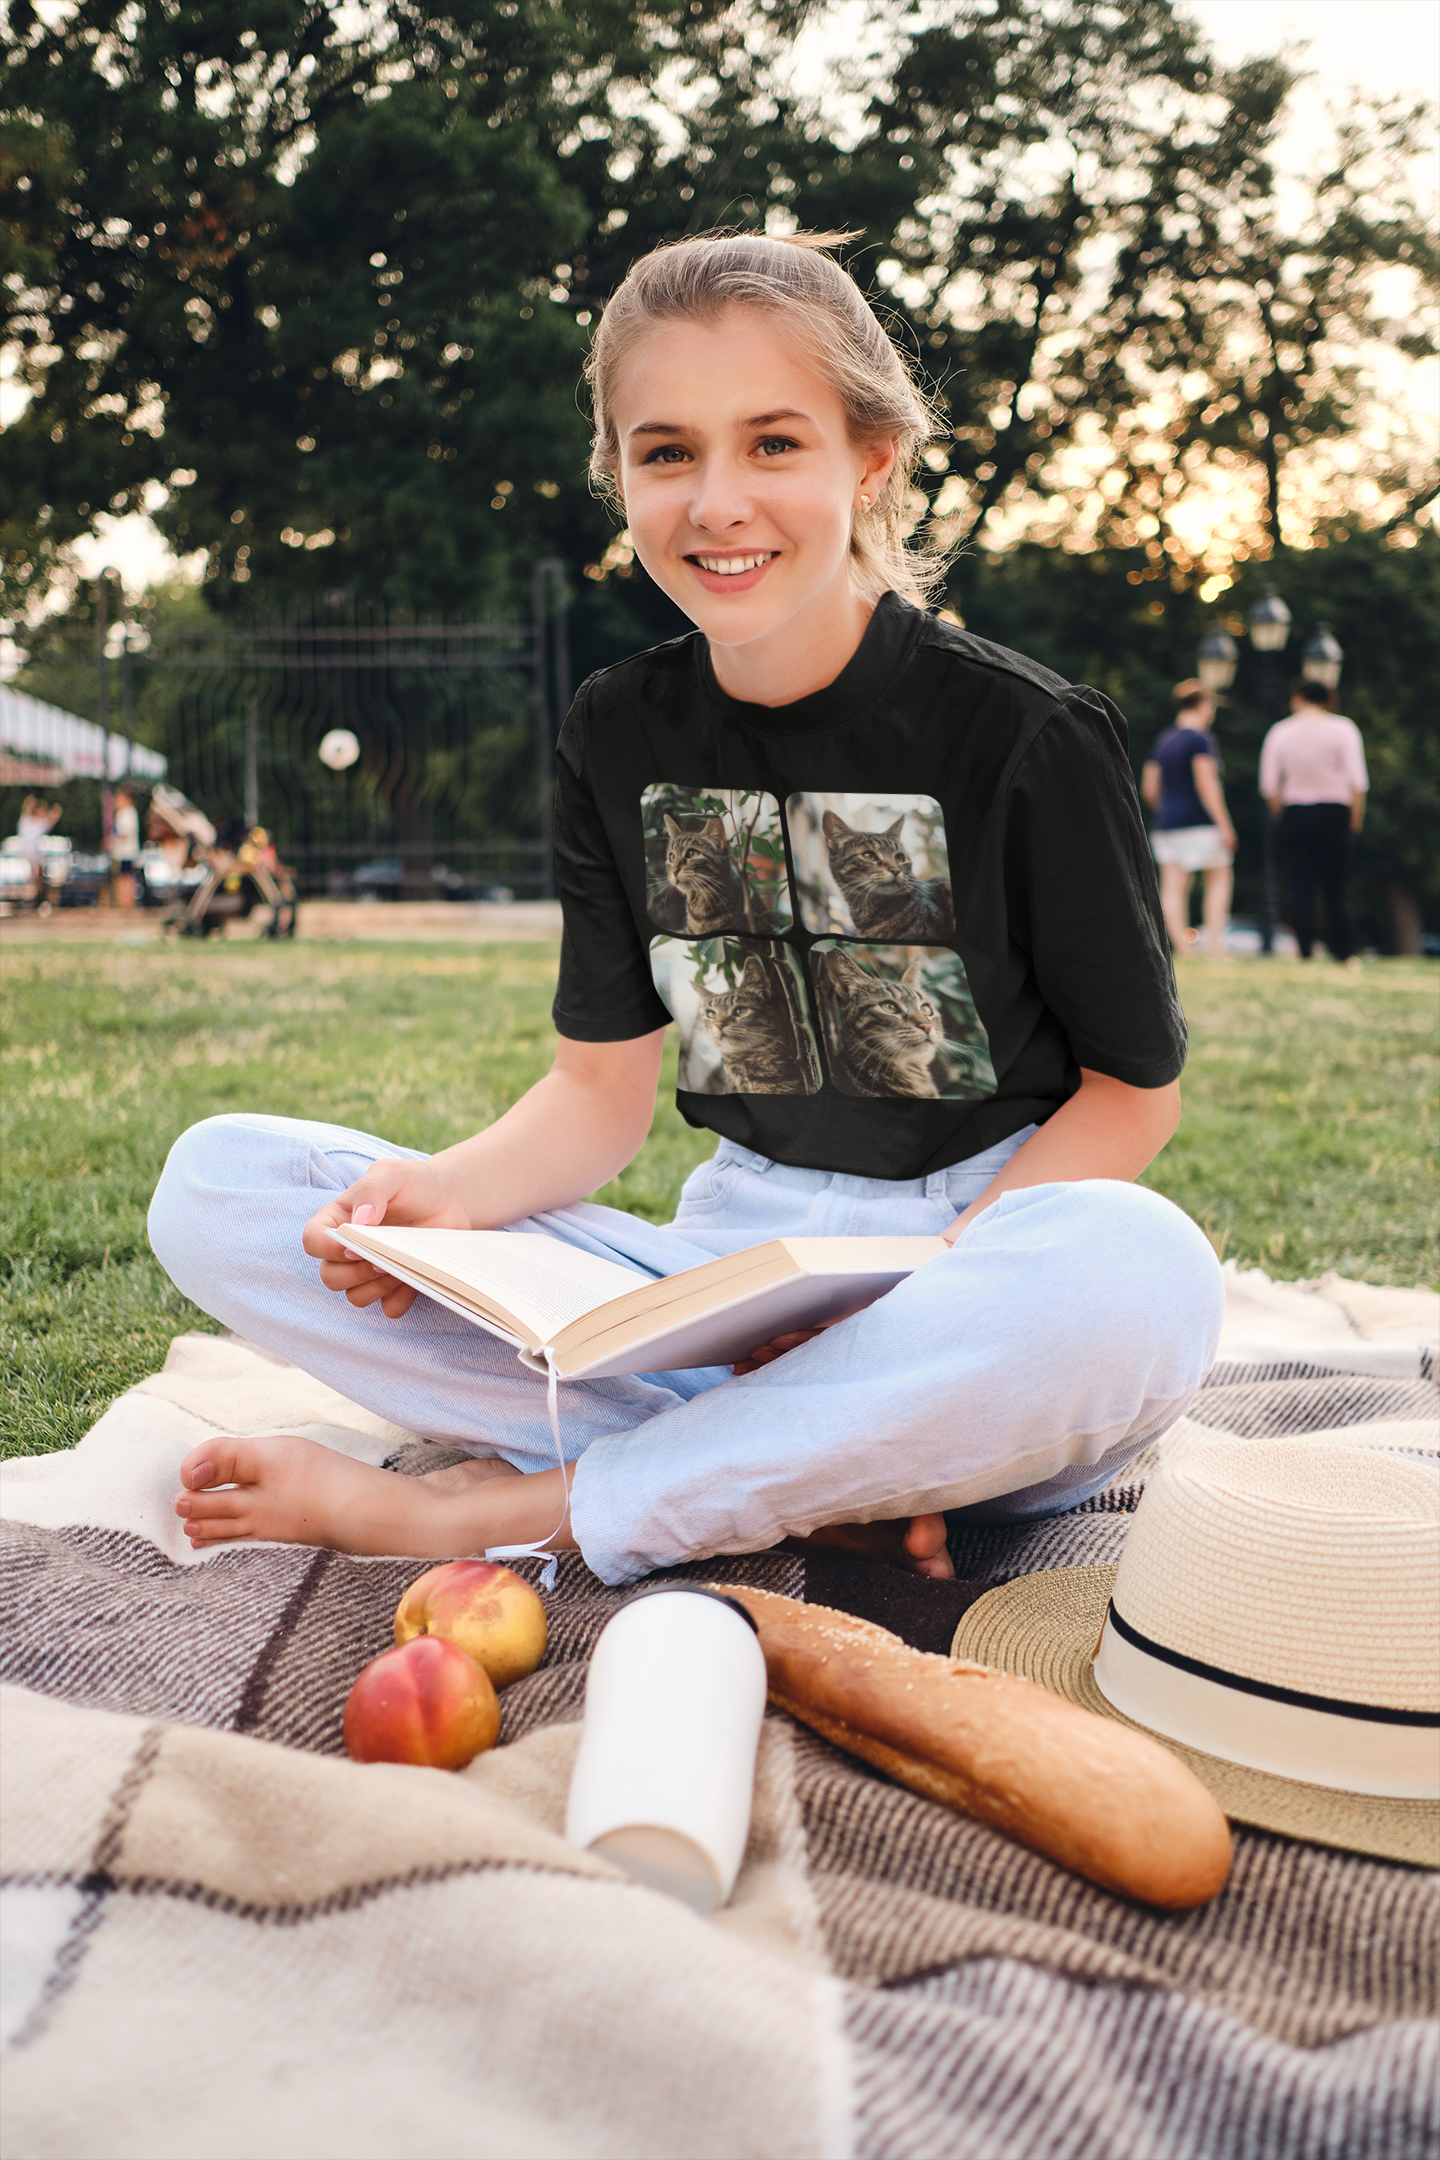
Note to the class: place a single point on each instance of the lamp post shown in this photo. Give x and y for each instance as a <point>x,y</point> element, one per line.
<point>1323,657</point>
<point>1269,625</point>
<point>1215,660</point>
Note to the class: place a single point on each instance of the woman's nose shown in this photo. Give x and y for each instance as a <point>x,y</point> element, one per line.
<point>720,498</point>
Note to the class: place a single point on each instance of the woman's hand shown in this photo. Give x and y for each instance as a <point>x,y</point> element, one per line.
<point>767,1353</point>
<point>417,1194</point>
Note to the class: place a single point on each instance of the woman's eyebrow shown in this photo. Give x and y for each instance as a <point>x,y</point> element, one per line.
<point>678,427</point>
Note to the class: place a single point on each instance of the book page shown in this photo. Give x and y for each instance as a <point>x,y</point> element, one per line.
<point>540,1282</point>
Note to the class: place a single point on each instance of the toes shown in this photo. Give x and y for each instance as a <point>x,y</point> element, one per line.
<point>925,1536</point>
<point>222,1506</point>
<point>926,1550</point>
<point>224,1532</point>
<point>216,1462</point>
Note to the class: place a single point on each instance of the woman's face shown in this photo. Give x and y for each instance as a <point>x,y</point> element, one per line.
<point>738,473</point>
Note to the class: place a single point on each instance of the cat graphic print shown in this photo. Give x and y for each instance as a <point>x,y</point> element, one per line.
<point>899,1020</point>
<point>714,861</point>
<point>863,990</point>
<point>741,1009</point>
<point>872,866</point>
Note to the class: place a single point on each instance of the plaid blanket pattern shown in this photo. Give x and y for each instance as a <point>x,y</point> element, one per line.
<point>228,1940</point>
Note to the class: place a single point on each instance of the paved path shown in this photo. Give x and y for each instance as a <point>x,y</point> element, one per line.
<point>320,921</point>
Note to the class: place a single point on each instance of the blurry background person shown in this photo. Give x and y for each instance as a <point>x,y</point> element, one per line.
<point>1181,783</point>
<point>1312,774</point>
<point>124,847</point>
<point>37,818</point>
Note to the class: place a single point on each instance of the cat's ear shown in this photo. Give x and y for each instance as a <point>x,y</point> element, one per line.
<point>835,828</point>
<point>892,832</point>
<point>753,973</point>
<point>841,968</point>
<point>911,977</point>
<point>714,828</point>
<point>671,827</point>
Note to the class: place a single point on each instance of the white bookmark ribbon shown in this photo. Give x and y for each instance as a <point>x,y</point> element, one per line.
<point>540,1549</point>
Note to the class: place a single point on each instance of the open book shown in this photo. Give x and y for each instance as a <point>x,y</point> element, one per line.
<point>598,1318</point>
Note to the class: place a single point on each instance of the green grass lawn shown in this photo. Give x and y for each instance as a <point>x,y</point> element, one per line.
<point>1307,1141</point>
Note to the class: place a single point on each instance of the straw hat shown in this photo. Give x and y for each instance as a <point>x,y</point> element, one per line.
<point>1275,1621</point>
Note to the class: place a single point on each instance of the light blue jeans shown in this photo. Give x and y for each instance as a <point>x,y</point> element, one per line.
<point>1016,1376</point>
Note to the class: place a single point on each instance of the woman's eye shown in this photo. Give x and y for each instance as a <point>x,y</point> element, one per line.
<point>772,445</point>
<point>667,454</point>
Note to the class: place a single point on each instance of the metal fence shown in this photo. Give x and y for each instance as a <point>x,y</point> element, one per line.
<point>451,728</point>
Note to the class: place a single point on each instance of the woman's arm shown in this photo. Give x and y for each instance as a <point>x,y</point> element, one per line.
<point>1357,808</point>
<point>1212,795</point>
<point>574,1129</point>
<point>1106,1130</point>
<point>1151,783</point>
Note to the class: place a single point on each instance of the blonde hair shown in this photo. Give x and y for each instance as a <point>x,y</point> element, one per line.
<point>795,277</point>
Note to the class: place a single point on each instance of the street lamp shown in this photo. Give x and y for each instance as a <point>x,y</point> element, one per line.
<point>1215,661</point>
<point>1323,657</point>
<point>1269,622</point>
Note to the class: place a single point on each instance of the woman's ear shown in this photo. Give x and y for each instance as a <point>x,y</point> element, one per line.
<point>879,463</point>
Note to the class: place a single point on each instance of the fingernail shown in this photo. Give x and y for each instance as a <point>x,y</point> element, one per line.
<point>201,1476</point>
<point>363,1215</point>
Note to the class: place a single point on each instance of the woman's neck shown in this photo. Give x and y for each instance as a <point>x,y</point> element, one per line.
<point>800,656</point>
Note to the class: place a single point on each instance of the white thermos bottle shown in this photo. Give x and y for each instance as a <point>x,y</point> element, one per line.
<point>665,1775</point>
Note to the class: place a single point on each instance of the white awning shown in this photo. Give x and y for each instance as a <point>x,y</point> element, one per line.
<point>84,750</point>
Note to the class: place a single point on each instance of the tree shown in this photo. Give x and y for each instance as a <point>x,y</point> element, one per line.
<point>1098,273</point>
<point>317,298</point>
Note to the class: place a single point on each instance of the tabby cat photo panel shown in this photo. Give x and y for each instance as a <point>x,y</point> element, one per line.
<point>899,1020</point>
<point>872,866</point>
<point>741,1009</point>
<point>714,861</point>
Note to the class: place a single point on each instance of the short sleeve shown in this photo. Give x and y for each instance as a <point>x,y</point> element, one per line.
<point>605,991</point>
<point>1082,897</point>
<point>1355,769</point>
<point>1270,764</point>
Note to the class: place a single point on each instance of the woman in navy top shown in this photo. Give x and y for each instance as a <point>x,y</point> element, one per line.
<point>1181,783</point>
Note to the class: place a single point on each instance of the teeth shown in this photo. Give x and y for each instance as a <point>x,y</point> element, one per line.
<point>731,565</point>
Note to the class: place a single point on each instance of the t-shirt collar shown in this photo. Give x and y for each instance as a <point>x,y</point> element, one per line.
<point>884,650</point>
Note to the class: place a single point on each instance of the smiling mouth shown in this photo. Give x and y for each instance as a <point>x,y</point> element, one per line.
<point>732,565</point>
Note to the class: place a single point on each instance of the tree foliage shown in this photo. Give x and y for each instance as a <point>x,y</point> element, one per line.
<point>318,295</point>
<point>322,289</point>
<point>1111,285</point>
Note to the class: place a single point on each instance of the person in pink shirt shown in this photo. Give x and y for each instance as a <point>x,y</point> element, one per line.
<point>1312,774</point>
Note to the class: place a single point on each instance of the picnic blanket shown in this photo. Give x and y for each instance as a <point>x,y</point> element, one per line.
<point>224,1940</point>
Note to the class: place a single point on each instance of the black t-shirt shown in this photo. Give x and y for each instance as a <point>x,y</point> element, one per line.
<point>892,919</point>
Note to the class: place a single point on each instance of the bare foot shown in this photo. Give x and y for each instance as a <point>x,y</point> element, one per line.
<point>299,1493</point>
<point>917,1544</point>
<point>926,1550</point>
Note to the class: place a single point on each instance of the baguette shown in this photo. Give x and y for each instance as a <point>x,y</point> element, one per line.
<point>1106,1801</point>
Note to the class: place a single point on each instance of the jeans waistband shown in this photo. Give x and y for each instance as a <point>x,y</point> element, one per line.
<point>934,1186</point>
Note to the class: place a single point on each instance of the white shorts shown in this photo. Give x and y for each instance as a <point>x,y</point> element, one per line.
<point>1193,847</point>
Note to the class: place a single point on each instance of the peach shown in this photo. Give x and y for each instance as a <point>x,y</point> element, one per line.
<point>427,1703</point>
<point>487,1609</point>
